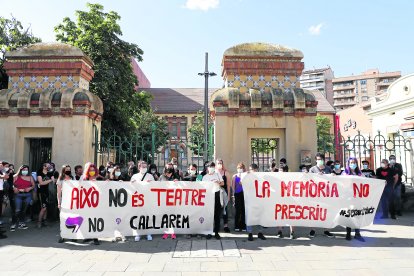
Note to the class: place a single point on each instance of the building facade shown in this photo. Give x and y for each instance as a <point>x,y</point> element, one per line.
<point>352,90</point>
<point>320,80</point>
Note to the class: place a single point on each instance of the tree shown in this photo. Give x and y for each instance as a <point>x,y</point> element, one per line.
<point>12,36</point>
<point>97,34</point>
<point>196,135</point>
<point>325,138</point>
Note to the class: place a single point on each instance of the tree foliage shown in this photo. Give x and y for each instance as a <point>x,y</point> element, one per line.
<point>97,34</point>
<point>12,36</point>
<point>325,138</point>
<point>196,135</point>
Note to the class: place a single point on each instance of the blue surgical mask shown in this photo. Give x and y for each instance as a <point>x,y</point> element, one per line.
<point>352,166</point>
<point>337,167</point>
<point>365,166</point>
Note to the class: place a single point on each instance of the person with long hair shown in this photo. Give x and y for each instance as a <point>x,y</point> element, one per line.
<point>222,170</point>
<point>116,174</point>
<point>65,175</point>
<point>91,174</point>
<point>23,186</point>
<point>238,199</point>
<point>353,169</point>
<point>43,180</point>
<point>154,171</point>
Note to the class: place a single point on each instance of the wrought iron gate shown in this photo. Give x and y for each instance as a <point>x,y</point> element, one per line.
<point>40,152</point>
<point>263,150</point>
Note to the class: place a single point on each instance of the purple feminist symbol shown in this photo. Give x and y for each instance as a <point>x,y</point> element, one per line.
<point>201,220</point>
<point>74,223</point>
<point>118,220</point>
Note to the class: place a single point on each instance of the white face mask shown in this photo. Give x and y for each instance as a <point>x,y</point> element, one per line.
<point>6,169</point>
<point>117,174</point>
<point>143,170</point>
<point>211,170</point>
<point>239,170</point>
<point>365,166</point>
<point>383,165</point>
<point>192,172</point>
<point>153,171</point>
<point>175,167</point>
<point>319,163</point>
<point>110,170</point>
<point>392,161</point>
<point>25,173</point>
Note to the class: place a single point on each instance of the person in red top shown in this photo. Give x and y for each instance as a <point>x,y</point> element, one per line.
<point>23,185</point>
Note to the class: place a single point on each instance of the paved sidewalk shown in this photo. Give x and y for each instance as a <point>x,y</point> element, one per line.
<point>388,250</point>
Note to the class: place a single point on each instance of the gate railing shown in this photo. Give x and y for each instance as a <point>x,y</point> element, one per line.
<point>374,149</point>
<point>120,150</point>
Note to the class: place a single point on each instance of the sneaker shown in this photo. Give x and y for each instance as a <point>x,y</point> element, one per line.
<point>261,236</point>
<point>226,229</point>
<point>149,237</point>
<point>137,238</point>
<point>217,236</point>
<point>292,235</point>
<point>312,233</point>
<point>209,236</point>
<point>250,238</point>
<point>22,226</point>
<point>61,240</point>
<point>280,234</point>
<point>173,236</point>
<point>13,227</point>
<point>96,242</point>
<point>328,234</point>
<point>359,238</point>
<point>39,225</point>
<point>237,230</point>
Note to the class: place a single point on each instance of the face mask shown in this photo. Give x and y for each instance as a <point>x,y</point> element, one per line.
<point>304,170</point>
<point>91,173</point>
<point>239,170</point>
<point>68,172</point>
<point>392,161</point>
<point>143,170</point>
<point>6,169</point>
<point>117,174</point>
<point>102,172</point>
<point>50,170</point>
<point>281,165</point>
<point>365,166</point>
<point>110,170</point>
<point>219,166</point>
<point>337,167</point>
<point>153,171</point>
<point>211,170</point>
<point>319,163</point>
<point>192,172</point>
<point>352,166</point>
<point>25,172</point>
<point>175,167</point>
<point>383,165</point>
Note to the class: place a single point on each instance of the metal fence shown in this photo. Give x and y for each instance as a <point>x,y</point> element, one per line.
<point>373,149</point>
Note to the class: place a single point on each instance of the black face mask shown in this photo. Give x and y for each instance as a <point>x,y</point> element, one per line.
<point>68,172</point>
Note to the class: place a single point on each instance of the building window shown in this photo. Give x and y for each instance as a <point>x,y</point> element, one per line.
<point>363,82</point>
<point>183,128</point>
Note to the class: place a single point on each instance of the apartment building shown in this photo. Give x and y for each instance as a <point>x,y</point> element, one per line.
<point>319,79</point>
<point>352,90</point>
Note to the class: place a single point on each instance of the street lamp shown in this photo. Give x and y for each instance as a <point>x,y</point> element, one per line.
<point>206,75</point>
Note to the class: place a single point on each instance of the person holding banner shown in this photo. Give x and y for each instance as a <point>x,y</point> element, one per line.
<point>213,176</point>
<point>353,169</point>
<point>142,175</point>
<point>337,168</point>
<point>320,168</point>
<point>65,175</point>
<point>252,169</point>
<point>192,173</point>
<point>238,199</point>
<point>116,174</point>
<point>221,170</point>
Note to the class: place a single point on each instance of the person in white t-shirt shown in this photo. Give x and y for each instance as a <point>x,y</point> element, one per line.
<point>142,175</point>
<point>215,177</point>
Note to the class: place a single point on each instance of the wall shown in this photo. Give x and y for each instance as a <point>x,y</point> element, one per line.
<point>71,138</point>
<point>234,133</point>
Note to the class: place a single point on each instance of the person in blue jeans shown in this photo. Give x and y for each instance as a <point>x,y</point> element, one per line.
<point>23,186</point>
<point>249,228</point>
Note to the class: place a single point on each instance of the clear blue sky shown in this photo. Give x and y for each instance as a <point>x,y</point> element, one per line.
<point>350,36</point>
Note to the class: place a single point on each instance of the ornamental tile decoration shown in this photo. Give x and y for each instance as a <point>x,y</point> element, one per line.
<point>43,82</point>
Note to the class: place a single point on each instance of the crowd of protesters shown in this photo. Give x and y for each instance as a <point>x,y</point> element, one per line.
<point>37,195</point>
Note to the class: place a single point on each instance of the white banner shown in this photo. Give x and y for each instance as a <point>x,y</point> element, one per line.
<point>305,199</point>
<point>98,209</point>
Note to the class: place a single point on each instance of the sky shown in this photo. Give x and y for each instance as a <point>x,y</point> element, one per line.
<point>349,36</point>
